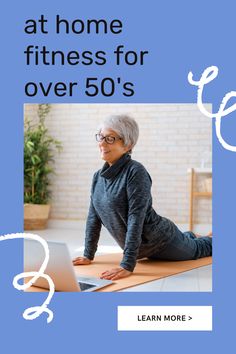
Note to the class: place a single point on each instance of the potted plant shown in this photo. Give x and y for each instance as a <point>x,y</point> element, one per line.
<point>39,150</point>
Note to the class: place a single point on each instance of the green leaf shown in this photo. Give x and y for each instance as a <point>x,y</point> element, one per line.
<point>39,151</point>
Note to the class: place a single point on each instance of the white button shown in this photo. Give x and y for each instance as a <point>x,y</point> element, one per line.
<point>164,318</point>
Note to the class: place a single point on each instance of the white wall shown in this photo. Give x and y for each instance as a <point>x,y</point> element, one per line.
<point>173,137</point>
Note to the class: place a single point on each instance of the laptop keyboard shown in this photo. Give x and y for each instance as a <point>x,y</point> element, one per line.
<point>85,286</point>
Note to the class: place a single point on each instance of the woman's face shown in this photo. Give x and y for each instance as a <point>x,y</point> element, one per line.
<point>111,152</point>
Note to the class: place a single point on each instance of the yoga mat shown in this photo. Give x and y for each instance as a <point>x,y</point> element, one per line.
<point>145,270</point>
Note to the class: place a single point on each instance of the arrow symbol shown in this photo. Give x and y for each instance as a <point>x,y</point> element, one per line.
<point>189,318</point>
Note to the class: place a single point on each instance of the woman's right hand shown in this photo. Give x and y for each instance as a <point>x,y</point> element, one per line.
<point>81,261</point>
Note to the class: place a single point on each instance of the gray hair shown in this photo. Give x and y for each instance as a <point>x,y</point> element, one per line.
<point>125,126</point>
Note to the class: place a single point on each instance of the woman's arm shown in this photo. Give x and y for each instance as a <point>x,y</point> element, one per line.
<point>93,228</point>
<point>139,198</point>
<point>92,233</point>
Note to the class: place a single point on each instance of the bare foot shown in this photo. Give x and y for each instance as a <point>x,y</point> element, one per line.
<point>197,235</point>
<point>209,234</point>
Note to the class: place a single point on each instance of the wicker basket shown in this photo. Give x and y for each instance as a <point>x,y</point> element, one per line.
<point>36,216</point>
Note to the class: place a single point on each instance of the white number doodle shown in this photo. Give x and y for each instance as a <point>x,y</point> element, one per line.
<point>33,312</point>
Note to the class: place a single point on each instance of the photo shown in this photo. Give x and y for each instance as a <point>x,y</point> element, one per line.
<point>122,193</point>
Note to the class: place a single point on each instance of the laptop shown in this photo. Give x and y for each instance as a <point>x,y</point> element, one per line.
<point>59,268</point>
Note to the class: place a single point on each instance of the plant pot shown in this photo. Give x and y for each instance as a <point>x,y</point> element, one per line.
<point>36,216</point>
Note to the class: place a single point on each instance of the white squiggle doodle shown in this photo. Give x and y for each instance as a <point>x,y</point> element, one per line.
<point>33,312</point>
<point>209,75</point>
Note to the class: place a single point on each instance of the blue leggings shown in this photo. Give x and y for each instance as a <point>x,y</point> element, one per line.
<point>186,246</point>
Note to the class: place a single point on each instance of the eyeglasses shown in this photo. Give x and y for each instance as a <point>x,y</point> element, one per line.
<point>108,139</point>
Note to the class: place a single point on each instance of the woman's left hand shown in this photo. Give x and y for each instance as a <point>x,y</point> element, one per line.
<point>115,273</point>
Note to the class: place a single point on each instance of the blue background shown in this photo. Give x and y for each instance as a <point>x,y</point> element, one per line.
<point>180,36</point>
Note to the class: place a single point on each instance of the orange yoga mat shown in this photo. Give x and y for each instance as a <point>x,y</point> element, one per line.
<point>145,270</point>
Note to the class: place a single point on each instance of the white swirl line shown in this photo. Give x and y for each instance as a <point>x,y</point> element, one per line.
<point>33,312</point>
<point>209,75</point>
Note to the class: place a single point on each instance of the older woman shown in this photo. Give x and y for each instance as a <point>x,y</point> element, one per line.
<point>121,201</point>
